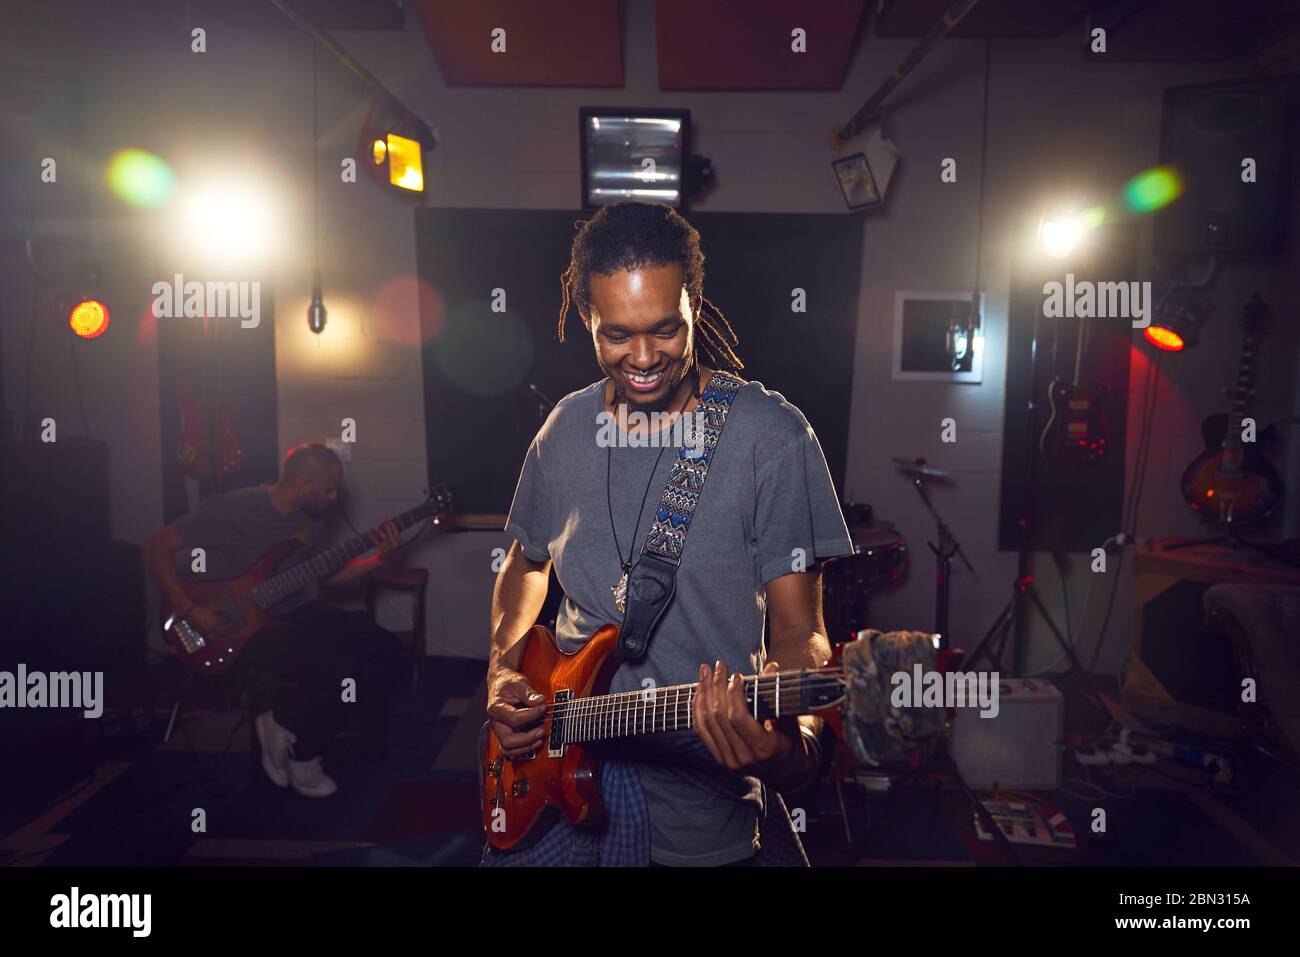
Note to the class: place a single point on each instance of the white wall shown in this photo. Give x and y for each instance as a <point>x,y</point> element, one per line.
<point>1055,122</point>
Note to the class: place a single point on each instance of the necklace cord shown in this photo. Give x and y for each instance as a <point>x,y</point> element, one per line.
<point>609,458</point>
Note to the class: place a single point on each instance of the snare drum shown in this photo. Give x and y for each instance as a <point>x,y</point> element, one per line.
<point>879,557</point>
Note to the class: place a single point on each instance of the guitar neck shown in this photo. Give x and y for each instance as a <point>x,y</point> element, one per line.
<point>300,577</point>
<point>1241,393</point>
<point>657,710</point>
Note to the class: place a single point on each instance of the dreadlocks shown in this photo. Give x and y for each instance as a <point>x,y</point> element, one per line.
<point>627,236</point>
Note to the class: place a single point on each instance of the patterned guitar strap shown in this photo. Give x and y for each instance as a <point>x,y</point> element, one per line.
<point>653,580</point>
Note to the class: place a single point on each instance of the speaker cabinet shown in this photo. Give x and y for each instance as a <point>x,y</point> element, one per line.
<point>1206,133</point>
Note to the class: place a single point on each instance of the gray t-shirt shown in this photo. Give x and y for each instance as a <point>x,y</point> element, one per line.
<point>236,529</point>
<point>769,492</point>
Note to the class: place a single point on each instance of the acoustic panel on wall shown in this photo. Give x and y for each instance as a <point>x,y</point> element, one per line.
<point>788,284</point>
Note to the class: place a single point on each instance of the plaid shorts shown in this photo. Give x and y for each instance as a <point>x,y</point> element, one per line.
<point>622,839</point>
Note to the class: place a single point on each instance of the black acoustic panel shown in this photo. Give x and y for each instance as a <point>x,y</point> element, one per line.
<point>72,605</point>
<point>753,263</point>
<point>1205,133</point>
<point>217,398</point>
<point>479,364</point>
<point>54,494</point>
<point>1071,506</point>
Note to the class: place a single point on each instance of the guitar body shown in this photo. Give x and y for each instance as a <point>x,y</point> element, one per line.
<point>1075,432</point>
<point>213,654</point>
<point>561,777</point>
<point>1231,486</point>
<point>216,654</point>
<point>517,792</point>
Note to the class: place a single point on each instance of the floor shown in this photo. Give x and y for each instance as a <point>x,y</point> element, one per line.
<point>108,792</point>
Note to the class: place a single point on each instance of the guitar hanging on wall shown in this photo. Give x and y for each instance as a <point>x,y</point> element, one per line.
<point>1075,433</point>
<point>1232,482</point>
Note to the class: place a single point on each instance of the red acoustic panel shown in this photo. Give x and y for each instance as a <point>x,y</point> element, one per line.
<point>721,45</point>
<point>574,43</point>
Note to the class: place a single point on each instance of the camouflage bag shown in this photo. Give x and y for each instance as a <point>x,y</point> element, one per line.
<point>877,731</point>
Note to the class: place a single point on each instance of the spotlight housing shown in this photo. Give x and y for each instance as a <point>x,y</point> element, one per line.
<point>392,147</point>
<point>1178,320</point>
<point>641,154</point>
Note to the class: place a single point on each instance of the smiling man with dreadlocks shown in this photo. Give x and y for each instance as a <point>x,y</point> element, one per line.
<point>768,516</point>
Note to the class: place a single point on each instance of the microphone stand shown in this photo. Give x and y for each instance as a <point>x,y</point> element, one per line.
<point>947,549</point>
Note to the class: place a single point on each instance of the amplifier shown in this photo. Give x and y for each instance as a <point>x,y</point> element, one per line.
<point>1021,746</point>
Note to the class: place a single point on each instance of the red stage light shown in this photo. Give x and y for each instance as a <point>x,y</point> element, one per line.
<point>1163,338</point>
<point>88,318</point>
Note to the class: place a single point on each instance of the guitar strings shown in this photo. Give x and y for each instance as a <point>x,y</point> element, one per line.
<point>765,686</point>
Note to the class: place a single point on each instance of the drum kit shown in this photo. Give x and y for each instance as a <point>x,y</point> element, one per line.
<point>879,559</point>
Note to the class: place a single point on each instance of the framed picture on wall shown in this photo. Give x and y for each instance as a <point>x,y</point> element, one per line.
<point>937,337</point>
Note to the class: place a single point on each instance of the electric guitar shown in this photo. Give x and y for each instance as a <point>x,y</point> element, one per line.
<point>561,777</point>
<point>244,600</point>
<point>1232,481</point>
<point>1076,428</point>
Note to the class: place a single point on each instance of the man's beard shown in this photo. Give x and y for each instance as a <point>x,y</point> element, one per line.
<point>669,401</point>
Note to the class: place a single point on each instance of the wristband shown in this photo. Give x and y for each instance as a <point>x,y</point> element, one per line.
<point>813,750</point>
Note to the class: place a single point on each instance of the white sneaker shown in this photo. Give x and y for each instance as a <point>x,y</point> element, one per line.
<point>275,740</point>
<point>310,780</point>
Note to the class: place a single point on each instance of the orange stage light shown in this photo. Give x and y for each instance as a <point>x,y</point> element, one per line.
<point>89,318</point>
<point>1163,338</point>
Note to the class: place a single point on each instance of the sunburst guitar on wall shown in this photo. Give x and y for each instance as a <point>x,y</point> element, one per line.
<point>1232,482</point>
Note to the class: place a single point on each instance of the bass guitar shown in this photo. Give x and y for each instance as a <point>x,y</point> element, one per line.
<point>517,792</point>
<point>244,600</point>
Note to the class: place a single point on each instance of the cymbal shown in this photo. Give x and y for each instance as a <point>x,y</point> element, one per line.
<point>918,467</point>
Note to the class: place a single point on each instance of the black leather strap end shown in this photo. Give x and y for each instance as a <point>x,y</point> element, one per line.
<point>650,589</point>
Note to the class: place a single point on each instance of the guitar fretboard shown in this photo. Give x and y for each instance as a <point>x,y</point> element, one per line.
<point>657,710</point>
<point>1240,402</point>
<point>301,576</point>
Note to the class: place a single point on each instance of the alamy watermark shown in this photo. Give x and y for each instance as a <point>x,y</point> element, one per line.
<point>1098,300</point>
<point>953,689</point>
<point>657,430</point>
<point>57,689</point>
<point>213,300</point>
<point>75,910</point>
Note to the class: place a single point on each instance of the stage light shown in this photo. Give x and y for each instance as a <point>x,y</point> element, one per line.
<point>1162,338</point>
<point>89,318</point>
<point>643,155</point>
<point>392,146</point>
<point>398,159</point>
<point>1178,319</point>
<point>405,165</point>
<point>228,223</point>
<point>140,178</point>
<point>1058,236</point>
<point>1061,232</point>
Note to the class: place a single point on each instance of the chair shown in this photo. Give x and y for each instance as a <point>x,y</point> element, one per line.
<point>410,581</point>
<point>1261,622</point>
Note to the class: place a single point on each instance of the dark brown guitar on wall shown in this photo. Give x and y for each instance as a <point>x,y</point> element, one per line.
<point>244,600</point>
<point>1232,482</point>
<point>562,776</point>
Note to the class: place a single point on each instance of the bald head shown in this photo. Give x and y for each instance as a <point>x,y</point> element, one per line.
<point>311,477</point>
<point>311,460</point>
